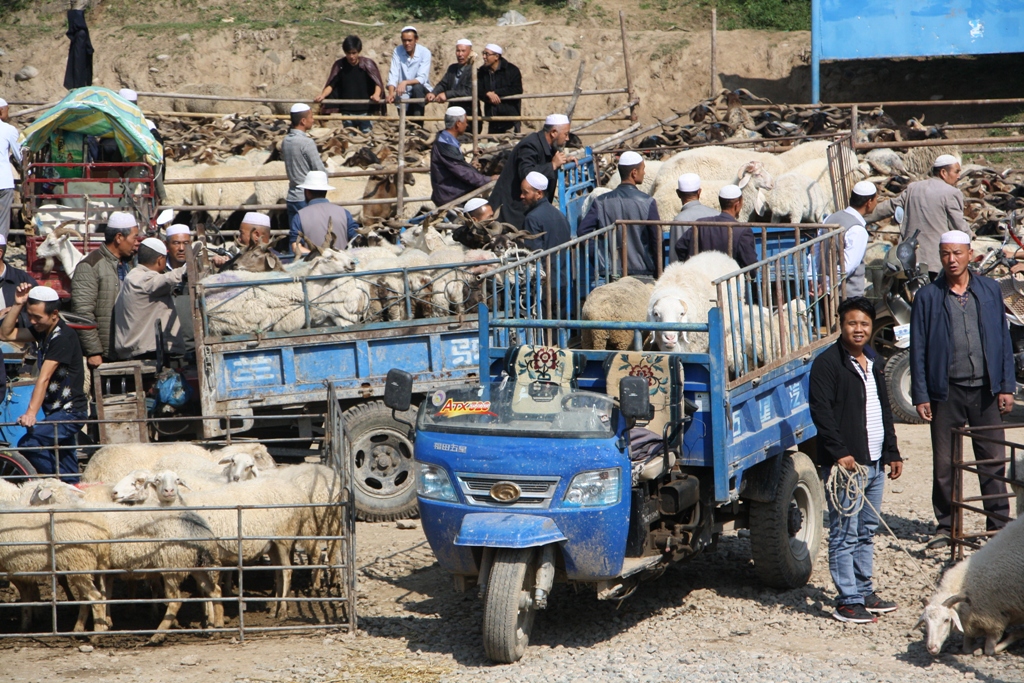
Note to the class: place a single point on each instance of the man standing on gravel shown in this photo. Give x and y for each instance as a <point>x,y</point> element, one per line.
<point>961,372</point>
<point>8,148</point>
<point>850,409</point>
<point>300,157</point>
<point>932,206</point>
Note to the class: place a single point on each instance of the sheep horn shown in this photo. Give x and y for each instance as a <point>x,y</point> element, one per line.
<point>953,600</point>
<point>48,265</point>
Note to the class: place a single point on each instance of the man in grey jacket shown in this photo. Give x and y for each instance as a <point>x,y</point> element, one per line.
<point>97,281</point>
<point>933,206</point>
<point>688,191</point>
<point>147,296</point>
<point>300,157</point>
<point>863,200</point>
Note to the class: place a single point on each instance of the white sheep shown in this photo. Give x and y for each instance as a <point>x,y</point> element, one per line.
<point>792,195</point>
<point>111,463</point>
<point>684,293</point>
<point>456,284</point>
<point>322,486</point>
<point>388,290</point>
<point>58,245</point>
<point>981,596</point>
<point>619,301</point>
<point>589,201</point>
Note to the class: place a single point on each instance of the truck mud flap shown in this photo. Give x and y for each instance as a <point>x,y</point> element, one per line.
<point>761,481</point>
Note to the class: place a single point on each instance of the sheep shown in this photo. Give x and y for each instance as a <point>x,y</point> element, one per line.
<point>885,161</point>
<point>256,524</point>
<point>618,301</point>
<point>111,463</point>
<point>793,195</point>
<point>34,527</point>
<point>239,466</point>
<point>981,596</point>
<point>455,285</point>
<point>918,160</point>
<point>589,201</point>
<point>228,195</point>
<point>388,291</point>
<point>684,293</point>
<point>57,245</point>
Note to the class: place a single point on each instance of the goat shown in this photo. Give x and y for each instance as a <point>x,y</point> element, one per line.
<point>57,244</point>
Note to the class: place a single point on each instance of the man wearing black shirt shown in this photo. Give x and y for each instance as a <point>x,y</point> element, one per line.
<point>353,78</point>
<point>59,389</point>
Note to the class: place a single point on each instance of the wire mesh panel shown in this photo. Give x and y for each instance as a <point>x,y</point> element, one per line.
<point>214,545</point>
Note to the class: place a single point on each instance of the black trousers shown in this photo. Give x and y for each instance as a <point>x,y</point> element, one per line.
<point>415,92</point>
<point>977,407</point>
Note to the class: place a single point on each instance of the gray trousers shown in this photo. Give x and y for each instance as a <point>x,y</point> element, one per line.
<point>6,202</point>
<point>977,407</point>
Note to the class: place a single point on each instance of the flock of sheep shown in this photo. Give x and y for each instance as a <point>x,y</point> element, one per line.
<point>163,507</point>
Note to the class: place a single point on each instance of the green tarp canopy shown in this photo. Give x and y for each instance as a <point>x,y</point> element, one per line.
<point>102,113</point>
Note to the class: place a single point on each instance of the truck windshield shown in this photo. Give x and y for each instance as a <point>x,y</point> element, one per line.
<point>537,409</point>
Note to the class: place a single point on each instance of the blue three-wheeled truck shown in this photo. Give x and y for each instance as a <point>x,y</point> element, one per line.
<point>603,467</point>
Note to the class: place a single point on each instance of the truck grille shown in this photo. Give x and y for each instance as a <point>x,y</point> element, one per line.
<point>537,492</point>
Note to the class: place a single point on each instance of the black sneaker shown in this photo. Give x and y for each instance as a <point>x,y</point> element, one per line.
<point>939,540</point>
<point>877,605</point>
<point>854,614</point>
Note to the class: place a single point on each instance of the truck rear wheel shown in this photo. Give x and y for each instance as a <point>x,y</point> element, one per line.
<point>385,481</point>
<point>785,534</point>
<point>897,383</point>
<point>508,607</point>
<point>16,466</point>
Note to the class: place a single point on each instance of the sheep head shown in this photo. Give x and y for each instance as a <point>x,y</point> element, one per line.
<point>56,245</point>
<point>132,488</point>
<point>937,621</point>
<point>258,258</point>
<point>166,484</point>
<point>668,308</point>
<point>239,467</point>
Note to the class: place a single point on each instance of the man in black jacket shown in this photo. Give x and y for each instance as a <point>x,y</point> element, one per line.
<point>450,175</point>
<point>850,409</point>
<point>458,79</point>
<point>540,152</point>
<point>496,80</point>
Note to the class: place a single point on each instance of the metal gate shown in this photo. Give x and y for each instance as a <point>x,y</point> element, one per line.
<point>65,557</point>
<point>840,156</point>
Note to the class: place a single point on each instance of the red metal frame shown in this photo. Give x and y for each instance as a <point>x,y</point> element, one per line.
<point>94,173</point>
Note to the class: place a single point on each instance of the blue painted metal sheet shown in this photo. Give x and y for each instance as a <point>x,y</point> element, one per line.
<point>576,180</point>
<point>507,530</point>
<point>899,28</point>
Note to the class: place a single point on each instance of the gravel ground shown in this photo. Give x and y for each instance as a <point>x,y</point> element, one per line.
<point>708,620</point>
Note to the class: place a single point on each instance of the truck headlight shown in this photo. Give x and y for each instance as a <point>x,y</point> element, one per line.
<point>432,482</point>
<point>593,489</point>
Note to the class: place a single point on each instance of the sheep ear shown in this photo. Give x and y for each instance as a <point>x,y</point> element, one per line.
<point>920,622</point>
<point>255,471</point>
<point>759,202</point>
<point>956,621</point>
<point>952,600</point>
<point>924,602</point>
<point>685,307</point>
<point>227,459</point>
<point>744,179</point>
<point>184,485</point>
<point>41,494</point>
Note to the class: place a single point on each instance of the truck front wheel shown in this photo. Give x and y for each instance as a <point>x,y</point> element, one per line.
<point>785,534</point>
<point>385,481</point>
<point>508,607</point>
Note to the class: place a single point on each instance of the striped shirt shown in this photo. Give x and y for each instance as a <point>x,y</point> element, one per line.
<point>873,410</point>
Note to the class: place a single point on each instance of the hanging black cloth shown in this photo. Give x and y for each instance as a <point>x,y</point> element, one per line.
<point>79,70</point>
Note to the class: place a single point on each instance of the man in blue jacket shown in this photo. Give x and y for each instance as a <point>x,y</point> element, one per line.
<point>961,365</point>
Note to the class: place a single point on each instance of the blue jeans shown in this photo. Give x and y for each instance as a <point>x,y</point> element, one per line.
<point>42,437</point>
<point>851,542</point>
<point>362,124</point>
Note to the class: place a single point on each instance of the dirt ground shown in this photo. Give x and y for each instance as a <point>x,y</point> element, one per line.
<point>415,627</point>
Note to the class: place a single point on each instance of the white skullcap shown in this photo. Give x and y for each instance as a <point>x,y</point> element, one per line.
<point>156,245</point>
<point>253,218</point>
<point>556,120</point>
<point>955,237</point>
<point>3,240</point>
<point>178,229</point>
<point>455,111</point>
<point>474,204</point>
<point>165,217</point>
<point>299,107</point>
<point>128,94</point>
<point>630,159</point>
<point>730,192</point>
<point>121,220</point>
<point>537,181</point>
<point>409,28</point>
<point>496,49</point>
<point>150,124</point>
<point>3,103</point>
<point>688,182</point>
<point>464,41</point>
<point>43,293</point>
<point>865,189</point>
<point>944,160</point>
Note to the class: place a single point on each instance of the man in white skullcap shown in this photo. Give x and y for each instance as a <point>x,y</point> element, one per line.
<point>478,209</point>
<point>688,191</point>
<point>458,79</point>
<point>930,208</point>
<point>129,94</point>
<point>409,76</point>
<point>60,384</point>
<point>961,372</point>
<point>354,77</point>
<point>178,238</point>
<point>863,200</point>
<point>541,152</point>
<point>254,229</point>
<point>10,278</point>
<point>497,80</point>
<point>145,299</point>
<point>542,218</point>
<point>451,176</point>
<point>96,282</point>
<point>9,148</point>
<point>314,224</point>
<point>300,156</point>
<point>737,242</point>
<point>628,202</point>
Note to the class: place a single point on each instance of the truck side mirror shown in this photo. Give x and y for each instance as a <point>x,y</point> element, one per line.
<point>634,399</point>
<point>398,390</point>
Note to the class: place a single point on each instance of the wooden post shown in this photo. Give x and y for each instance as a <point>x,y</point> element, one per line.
<point>476,116</point>
<point>714,52</point>
<point>400,198</point>
<point>625,61</point>
<point>576,89</point>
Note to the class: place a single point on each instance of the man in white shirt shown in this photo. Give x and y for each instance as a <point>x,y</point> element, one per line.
<point>8,147</point>
<point>863,201</point>
<point>409,76</point>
